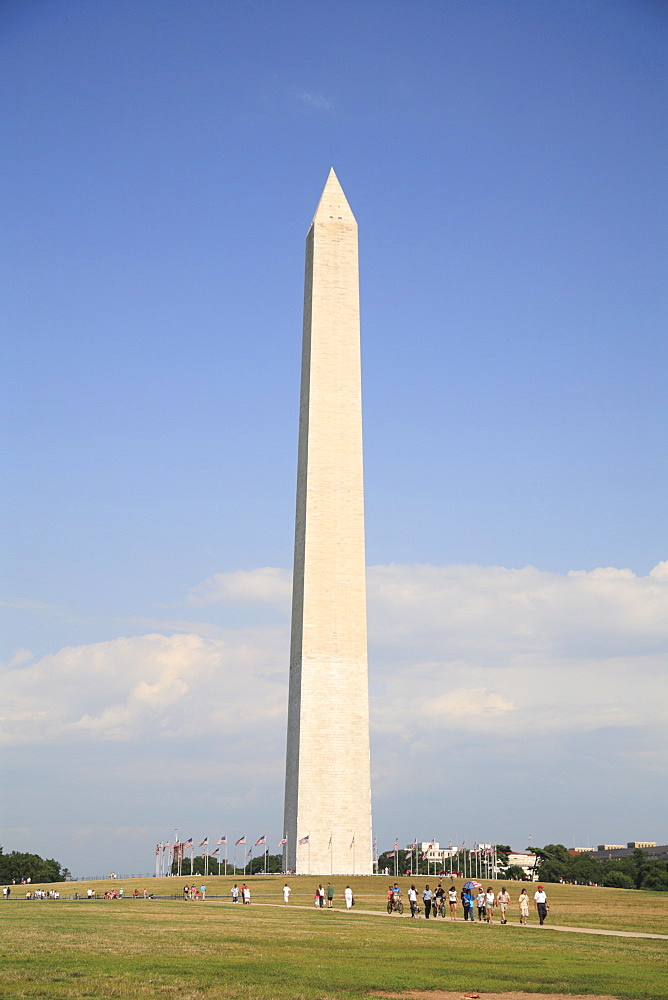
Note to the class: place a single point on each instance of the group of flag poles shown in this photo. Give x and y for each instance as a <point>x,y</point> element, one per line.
<point>477,861</point>
<point>473,862</point>
<point>166,854</point>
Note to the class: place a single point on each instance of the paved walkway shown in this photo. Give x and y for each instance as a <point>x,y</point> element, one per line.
<point>511,923</point>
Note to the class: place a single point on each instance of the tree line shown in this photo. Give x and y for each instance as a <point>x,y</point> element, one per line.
<point>17,865</point>
<point>555,863</point>
<point>637,871</point>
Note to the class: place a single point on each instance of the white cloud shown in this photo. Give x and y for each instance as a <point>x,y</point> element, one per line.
<point>517,651</point>
<point>316,101</point>
<point>482,679</point>
<point>520,651</point>
<point>151,685</point>
<point>266,586</point>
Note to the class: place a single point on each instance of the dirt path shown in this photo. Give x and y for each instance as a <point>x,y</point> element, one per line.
<point>473,995</point>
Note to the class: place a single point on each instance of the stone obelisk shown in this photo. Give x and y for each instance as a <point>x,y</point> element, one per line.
<point>328,784</point>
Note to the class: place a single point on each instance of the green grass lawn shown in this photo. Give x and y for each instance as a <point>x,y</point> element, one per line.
<point>208,950</point>
<point>570,905</point>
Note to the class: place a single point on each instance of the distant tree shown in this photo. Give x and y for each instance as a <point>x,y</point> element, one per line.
<point>17,865</point>
<point>618,880</point>
<point>515,872</point>
<point>274,864</point>
<point>655,877</point>
<point>502,852</point>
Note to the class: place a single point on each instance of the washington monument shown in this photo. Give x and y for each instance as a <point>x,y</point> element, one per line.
<point>328,783</point>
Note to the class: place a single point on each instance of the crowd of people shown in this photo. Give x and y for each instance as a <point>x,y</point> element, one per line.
<point>443,902</point>
<point>439,902</point>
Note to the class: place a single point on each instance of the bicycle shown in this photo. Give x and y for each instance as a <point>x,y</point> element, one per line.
<point>439,908</point>
<point>395,904</point>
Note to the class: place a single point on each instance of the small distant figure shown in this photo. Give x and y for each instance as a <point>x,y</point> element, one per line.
<point>245,894</point>
<point>202,889</point>
<point>524,906</point>
<point>452,902</point>
<point>540,898</point>
<point>503,899</point>
<point>286,894</point>
<point>412,899</point>
<point>349,898</point>
<point>120,893</point>
<point>186,892</point>
<point>145,893</point>
<point>330,895</point>
<point>234,893</point>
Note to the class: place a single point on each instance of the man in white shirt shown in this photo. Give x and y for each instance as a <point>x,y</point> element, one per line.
<point>540,898</point>
<point>286,893</point>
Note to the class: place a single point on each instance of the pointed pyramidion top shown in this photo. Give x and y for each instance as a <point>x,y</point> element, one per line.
<point>333,205</point>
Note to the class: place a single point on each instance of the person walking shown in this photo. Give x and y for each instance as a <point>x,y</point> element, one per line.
<point>540,898</point>
<point>480,903</point>
<point>524,906</point>
<point>412,899</point>
<point>489,905</point>
<point>348,895</point>
<point>234,893</point>
<point>427,896</point>
<point>330,895</point>
<point>503,899</point>
<point>452,902</point>
<point>467,904</point>
<point>286,894</point>
<point>245,895</point>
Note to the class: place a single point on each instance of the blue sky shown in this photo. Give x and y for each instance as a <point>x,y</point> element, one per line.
<point>506,164</point>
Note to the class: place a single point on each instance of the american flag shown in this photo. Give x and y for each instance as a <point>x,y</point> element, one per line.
<point>249,852</point>
<point>223,840</point>
<point>241,840</point>
<point>409,855</point>
<point>390,854</point>
<point>187,844</point>
<point>157,849</point>
<point>282,842</point>
<point>260,840</point>
<point>204,842</point>
<point>304,840</point>
<point>396,844</point>
<point>213,853</point>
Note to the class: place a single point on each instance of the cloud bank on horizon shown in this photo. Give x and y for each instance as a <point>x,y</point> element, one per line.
<point>519,649</point>
<point>485,681</point>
